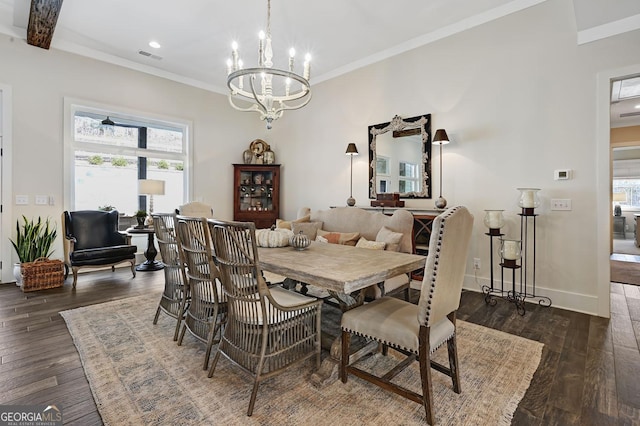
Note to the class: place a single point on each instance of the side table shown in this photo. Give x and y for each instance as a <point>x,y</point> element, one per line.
<point>150,253</point>
<point>619,225</point>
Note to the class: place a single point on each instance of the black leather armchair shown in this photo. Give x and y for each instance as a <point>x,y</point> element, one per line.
<point>92,239</point>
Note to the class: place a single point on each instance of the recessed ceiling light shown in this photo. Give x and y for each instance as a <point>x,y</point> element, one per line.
<point>155,44</point>
<point>637,106</point>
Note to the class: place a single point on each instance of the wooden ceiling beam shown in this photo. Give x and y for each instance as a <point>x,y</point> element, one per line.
<point>43,17</point>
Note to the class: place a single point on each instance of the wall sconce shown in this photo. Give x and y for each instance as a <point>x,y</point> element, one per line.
<point>150,187</point>
<point>351,151</point>
<point>441,138</point>
<point>619,197</point>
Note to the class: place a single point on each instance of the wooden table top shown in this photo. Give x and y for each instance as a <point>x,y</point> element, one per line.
<point>336,267</point>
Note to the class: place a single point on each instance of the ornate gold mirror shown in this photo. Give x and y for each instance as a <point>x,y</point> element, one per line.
<point>400,157</point>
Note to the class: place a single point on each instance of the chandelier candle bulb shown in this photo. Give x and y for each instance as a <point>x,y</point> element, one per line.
<point>292,54</point>
<point>307,67</point>
<point>234,55</point>
<point>261,48</point>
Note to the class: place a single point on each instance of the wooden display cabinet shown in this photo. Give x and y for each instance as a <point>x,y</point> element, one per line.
<point>256,194</point>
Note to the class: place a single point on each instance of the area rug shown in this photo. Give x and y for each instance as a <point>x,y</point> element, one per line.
<point>625,272</point>
<point>139,376</point>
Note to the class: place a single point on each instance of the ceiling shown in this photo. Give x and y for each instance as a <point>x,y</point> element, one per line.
<point>341,36</point>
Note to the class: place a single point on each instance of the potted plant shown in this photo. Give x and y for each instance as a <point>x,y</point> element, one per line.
<point>33,241</point>
<point>140,215</point>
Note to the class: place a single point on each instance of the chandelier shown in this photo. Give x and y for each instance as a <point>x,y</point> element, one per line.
<point>271,91</point>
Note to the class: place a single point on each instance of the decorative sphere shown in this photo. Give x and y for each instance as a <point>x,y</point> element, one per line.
<point>441,203</point>
<point>351,201</point>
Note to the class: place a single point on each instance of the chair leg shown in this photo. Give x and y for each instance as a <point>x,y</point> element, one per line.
<point>155,319</point>
<point>452,348</point>
<point>344,360</point>
<point>113,268</point>
<point>133,268</point>
<point>212,369</point>
<point>254,393</point>
<point>75,277</point>
<point>425,374</point>
<point>184,328</point>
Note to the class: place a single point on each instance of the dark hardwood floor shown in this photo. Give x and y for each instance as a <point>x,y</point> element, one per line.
<point>589,373</point>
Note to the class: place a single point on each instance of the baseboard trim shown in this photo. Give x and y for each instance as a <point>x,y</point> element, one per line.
<point>577,302</point>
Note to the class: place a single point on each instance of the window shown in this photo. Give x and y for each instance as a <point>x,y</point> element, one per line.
<point>631,187</point>
<point>108,160</point>
<point>408,181</point>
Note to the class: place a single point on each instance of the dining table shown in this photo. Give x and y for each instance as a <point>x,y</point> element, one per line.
<point>344,271</point>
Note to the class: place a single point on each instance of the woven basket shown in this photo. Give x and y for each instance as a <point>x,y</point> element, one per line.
<point>42,273</point>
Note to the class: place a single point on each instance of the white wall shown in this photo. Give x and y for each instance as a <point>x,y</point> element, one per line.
<point>517,97</point>
<point>41,79</point>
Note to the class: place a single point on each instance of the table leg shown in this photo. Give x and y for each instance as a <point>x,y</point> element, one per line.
<point>150,254</point>
<point>328,371</point>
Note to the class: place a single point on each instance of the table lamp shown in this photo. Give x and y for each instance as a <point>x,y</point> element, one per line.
<point>619,197</point>
<point>150,187</point>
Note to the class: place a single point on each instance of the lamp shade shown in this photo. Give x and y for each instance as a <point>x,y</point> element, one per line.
<point>620,196</point>
<point>440,137</point>
<point>351,149</point>
<point>151,186</point>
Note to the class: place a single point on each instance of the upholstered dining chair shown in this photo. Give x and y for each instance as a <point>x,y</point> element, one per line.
<point>175,296</point>
<point>418,330</point>
<point>268,329</point>
<point>195,209</point>
<point>206,312</point>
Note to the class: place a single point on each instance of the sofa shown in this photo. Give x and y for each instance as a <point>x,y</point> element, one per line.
<point>368,225</point>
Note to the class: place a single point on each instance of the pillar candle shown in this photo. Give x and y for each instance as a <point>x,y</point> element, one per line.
<point>510,250</point>
<point>528,199</point>
<point>494,220</point>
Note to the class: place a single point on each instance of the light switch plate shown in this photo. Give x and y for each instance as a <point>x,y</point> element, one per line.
<point>22,199</point>
<point>561,204</point>
<point>42,200</point>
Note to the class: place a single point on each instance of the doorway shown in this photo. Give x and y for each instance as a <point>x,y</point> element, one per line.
<point>625,179</point>
<point>6,269</point>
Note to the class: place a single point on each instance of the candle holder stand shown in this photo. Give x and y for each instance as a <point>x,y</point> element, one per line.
<point>491,291</point>
<point>512,295</point>
<point>528,269</point>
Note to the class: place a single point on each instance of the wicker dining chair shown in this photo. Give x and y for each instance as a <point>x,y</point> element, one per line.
<point>268,329</point>
<point>207,310</point>
<point>418,330</point>
<point>175,296</point>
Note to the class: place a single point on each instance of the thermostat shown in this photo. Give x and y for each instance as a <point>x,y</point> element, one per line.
<point>562,174</point>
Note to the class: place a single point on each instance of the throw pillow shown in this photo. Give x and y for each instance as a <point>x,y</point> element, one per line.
<point>373,245</point>
<point>310,229</point>
<point>391,238</point>
<point>321,239</point>
<point>345,238</point>
<point>287,223</point>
